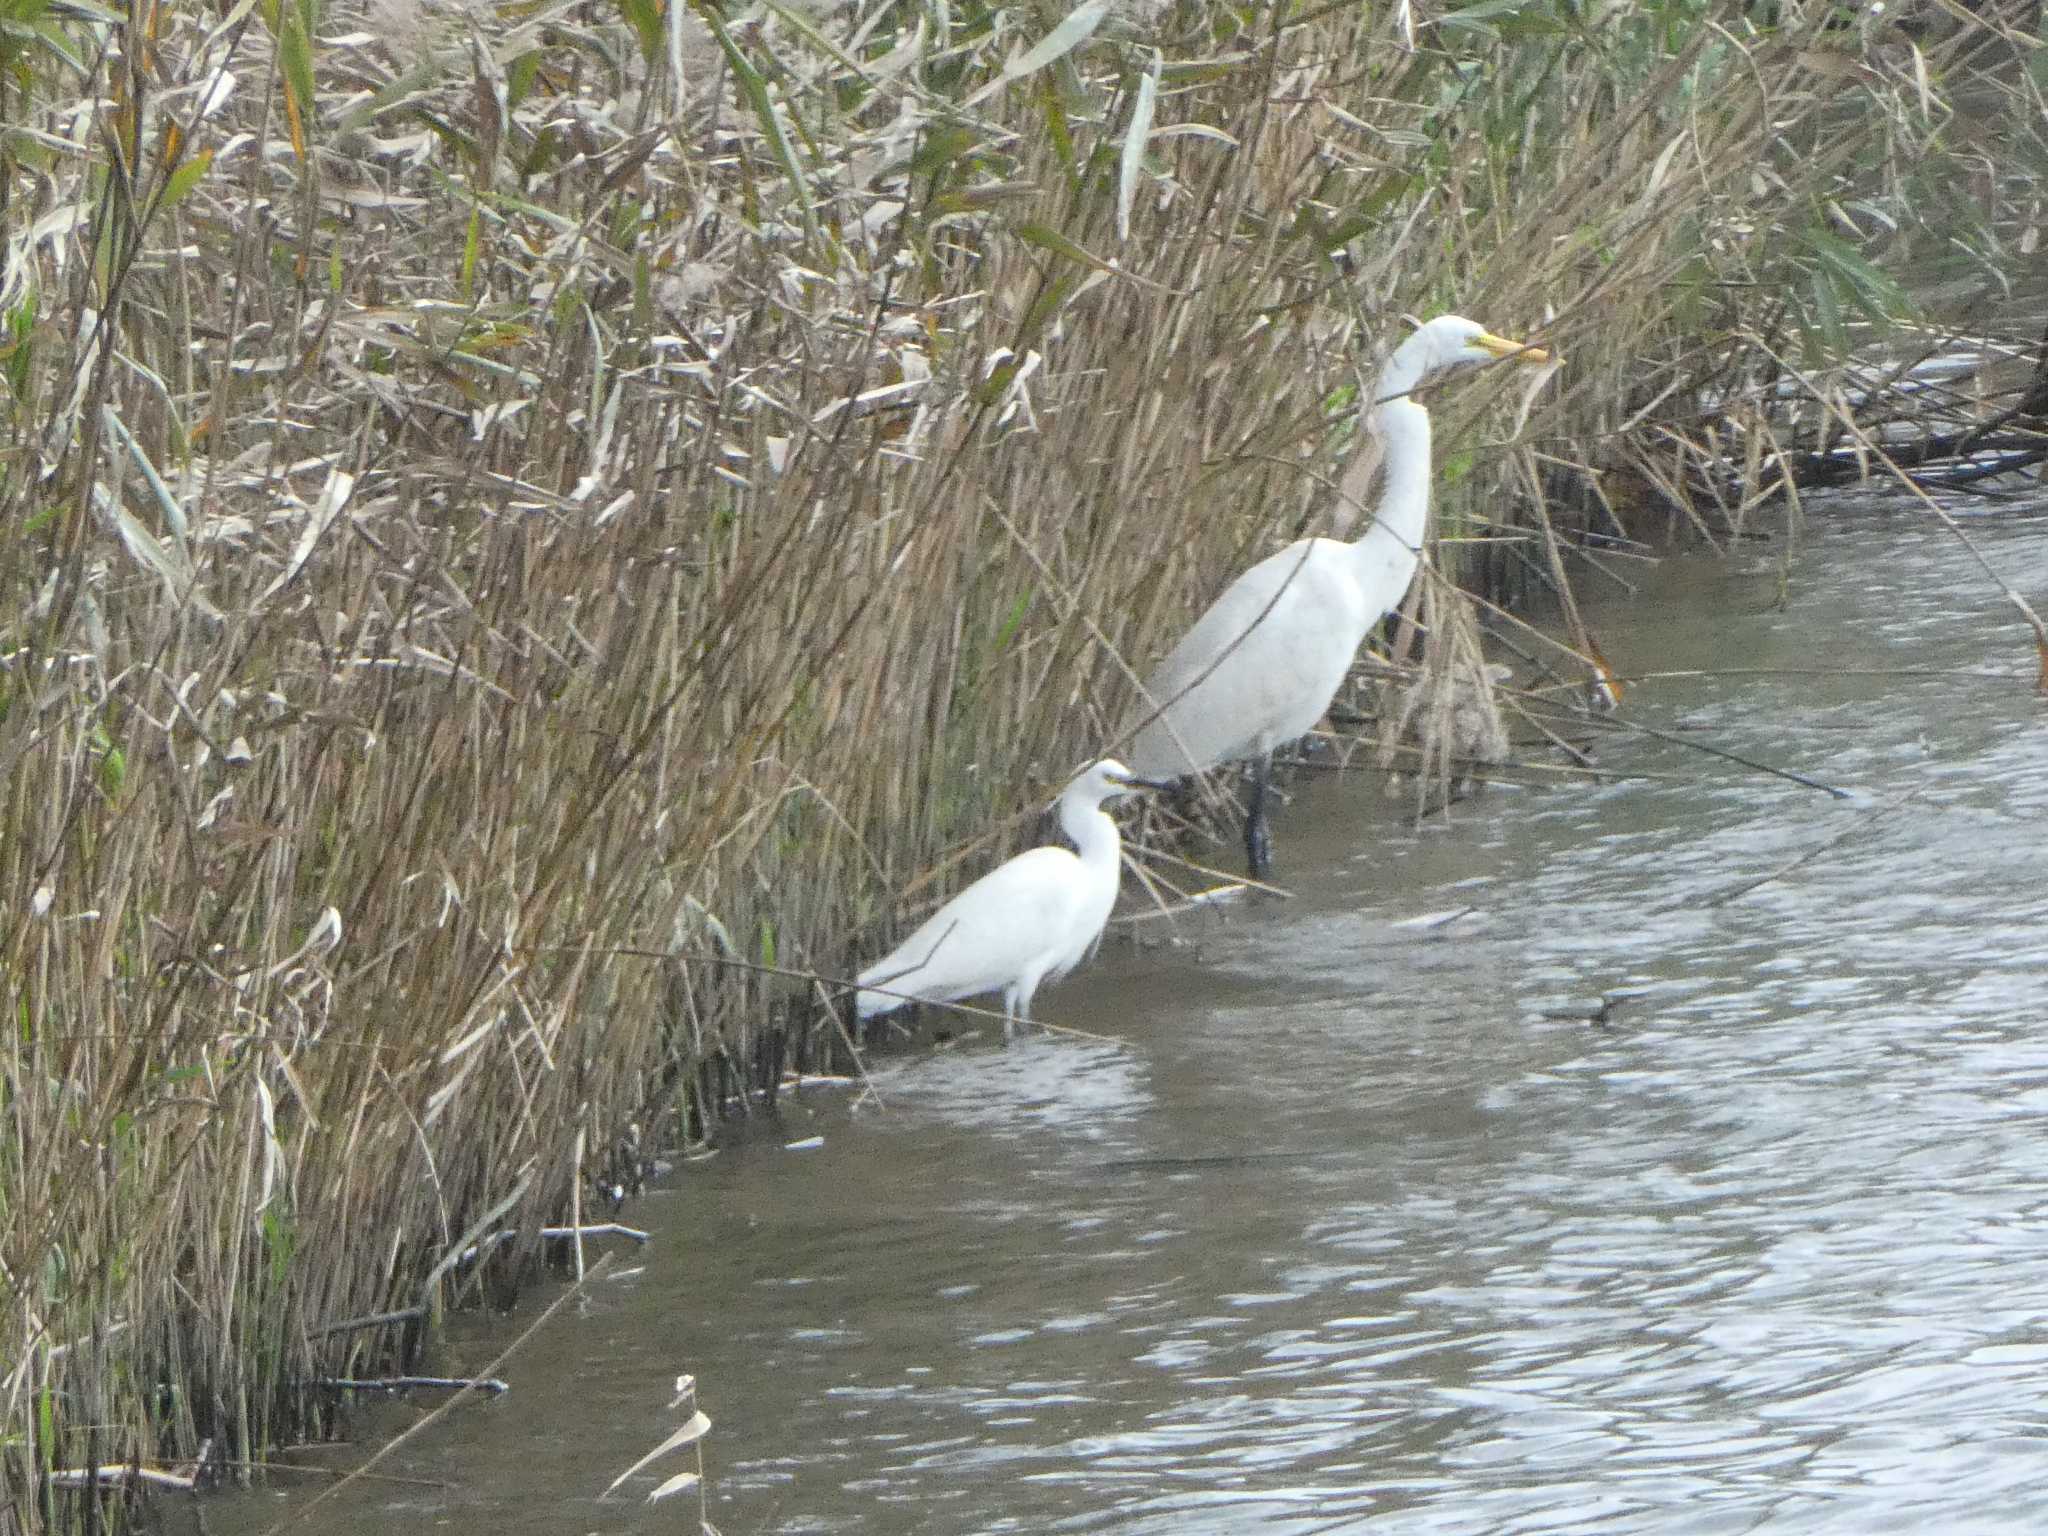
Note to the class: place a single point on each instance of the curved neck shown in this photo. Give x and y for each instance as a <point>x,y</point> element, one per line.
<point>1403,509</point>
<point>1089,826</point>
<point>1404,370</point>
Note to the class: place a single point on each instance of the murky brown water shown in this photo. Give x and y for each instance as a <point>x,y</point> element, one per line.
<point>1346,1229</point>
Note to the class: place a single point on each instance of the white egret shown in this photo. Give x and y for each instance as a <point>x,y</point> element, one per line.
<point>1262,665</point>
<point>1027,921</point>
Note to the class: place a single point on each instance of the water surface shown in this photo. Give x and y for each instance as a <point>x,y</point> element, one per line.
<point>1355,1222</point>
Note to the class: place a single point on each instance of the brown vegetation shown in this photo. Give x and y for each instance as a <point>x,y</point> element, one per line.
<point>519,557</point>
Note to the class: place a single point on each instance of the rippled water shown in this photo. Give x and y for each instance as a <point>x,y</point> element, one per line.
<point>1355,1222</point>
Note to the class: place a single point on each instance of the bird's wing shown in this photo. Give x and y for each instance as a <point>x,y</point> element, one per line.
<point>990,933</point>
<point>1241,674</point>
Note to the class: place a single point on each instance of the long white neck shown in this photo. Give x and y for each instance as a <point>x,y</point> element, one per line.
<point>1094,834</point>
<point>1403,509</point>
<point>1404,370</point>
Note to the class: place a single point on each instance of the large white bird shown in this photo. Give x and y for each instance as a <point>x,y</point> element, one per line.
<point>1262,665</point>
<point>1027,921</point>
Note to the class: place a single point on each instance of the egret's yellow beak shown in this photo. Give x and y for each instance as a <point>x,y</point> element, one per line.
<point>1518,351</point>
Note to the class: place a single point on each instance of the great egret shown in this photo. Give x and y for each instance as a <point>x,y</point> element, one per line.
<point>1261,666</point>
<point>1029,920</point>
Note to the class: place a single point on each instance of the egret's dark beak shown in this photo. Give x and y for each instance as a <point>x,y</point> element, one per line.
<point>1139,786</point>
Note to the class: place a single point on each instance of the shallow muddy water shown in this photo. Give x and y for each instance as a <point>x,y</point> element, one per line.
<point>1355,1222</point>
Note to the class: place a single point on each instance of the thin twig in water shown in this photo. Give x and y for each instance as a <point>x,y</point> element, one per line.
<point>1636,728</point>
<point>867,1084</point>
<point>490,1384</point>
<point>302,1471</point>
<point>296,1519</point>
<point>1161,856</point>
<point>374,1320</point>
<point>1859,824</point>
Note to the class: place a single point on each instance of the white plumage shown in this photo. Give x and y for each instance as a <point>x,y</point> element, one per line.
<point>1028,921</point>
<point>1261,666</point>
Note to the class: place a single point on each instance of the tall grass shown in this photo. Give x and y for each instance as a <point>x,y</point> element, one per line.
<point>532,532</point>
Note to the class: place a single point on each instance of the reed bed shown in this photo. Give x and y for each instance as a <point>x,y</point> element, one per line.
<point>534,534</point>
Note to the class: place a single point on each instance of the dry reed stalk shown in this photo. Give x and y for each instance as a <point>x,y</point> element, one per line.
<point>480,512</point>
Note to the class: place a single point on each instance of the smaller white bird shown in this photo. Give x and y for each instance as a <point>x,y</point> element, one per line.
<point>1027,921</point>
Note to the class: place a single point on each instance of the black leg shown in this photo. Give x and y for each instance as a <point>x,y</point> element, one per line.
<point>1258,846</point>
